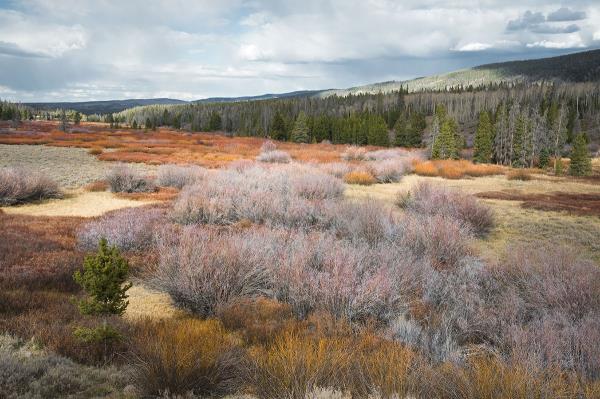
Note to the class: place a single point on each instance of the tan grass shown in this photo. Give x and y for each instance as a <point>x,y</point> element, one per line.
<point>85,204</point>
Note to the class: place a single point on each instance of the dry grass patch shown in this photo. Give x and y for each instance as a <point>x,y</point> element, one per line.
<point>86,204</point>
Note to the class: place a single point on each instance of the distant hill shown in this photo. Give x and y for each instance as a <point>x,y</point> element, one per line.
<point>104,107</point>
<point>578,67</point>
<point>301,93</point>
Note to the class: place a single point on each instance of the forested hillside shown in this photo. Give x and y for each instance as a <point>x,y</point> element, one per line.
<point>578,67</point>
<point>102,107</point>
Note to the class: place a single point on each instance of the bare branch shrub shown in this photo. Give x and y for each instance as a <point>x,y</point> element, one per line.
<point>18,185</point>
<point>274,156</point>
<point>428,200</point>
<point>179,176</point>
<point>131,229</point>
<point>124,179</point>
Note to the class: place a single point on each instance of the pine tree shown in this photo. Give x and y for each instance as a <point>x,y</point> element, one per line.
<point>483,145</point>
<point>581,163</point>
<point>300,130</point>
<point>103,279</point>
<point>278,128</point>
<point>77,117</point>
<point>214,123</point>
<point>445,144</point>
<point>409,133</point>
<point>377,131</point>
<point>134,124</point>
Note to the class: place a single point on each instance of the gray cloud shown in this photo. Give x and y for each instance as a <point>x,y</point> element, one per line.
<point>566,14</point>
<point>527,20</point>
<point>11,49</point>
<point>552,29</point>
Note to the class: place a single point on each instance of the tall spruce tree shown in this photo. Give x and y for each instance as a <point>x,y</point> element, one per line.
<point>581,162</point>
<point>483,141</point>
<point>445,145</point>
<point>278,128</point>
<point>377,131</point>
<point>300,133</point>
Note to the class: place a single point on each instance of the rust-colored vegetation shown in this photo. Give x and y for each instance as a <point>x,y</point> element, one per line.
<point>162,146</point>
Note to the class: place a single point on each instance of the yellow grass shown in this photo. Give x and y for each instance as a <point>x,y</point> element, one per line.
<point>84,204</point>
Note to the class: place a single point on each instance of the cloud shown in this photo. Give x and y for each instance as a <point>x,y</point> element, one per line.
<point>551,29</point>
<point>550,44</point>
<point>13,50</point>
<point>527,20</point>
<point>90,49</point>
<point>476,46</point>
<point>566,14</point>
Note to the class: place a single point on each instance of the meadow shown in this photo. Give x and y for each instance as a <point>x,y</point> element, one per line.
<point>276,270</point>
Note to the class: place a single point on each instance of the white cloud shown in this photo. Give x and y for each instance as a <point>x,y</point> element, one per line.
<point>476,46</point>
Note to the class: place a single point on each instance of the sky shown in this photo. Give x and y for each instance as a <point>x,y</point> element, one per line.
<point>80,50</point>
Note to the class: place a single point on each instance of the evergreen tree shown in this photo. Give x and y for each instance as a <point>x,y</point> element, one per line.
<point>214,123</point>
<point>377,131</point>
<point>103,280</point>
<point>445,144</point>
<point>148,124</point>
<point>544,160</point>
<point>77,117</point>
<point>278,128</point>
<point>409,133</point>
<point>134,124</point>
<point>483,144</point>
<point>581,163</point>
<point>300,130</point>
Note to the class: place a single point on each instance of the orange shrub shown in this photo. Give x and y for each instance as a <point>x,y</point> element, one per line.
<point>426,168</point>
<point>182,356</point>
<point>95,151</point>
<point>258,320</point>
<point>360,177</point>
<point>519,174</point>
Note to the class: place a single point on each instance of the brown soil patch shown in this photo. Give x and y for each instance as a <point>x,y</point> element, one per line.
<point>580,204</point>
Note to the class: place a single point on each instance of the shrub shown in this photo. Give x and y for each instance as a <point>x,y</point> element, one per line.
<point>274,156</point>
<point>382,155</point>
<point>207,271</point>
<point>361,177</point>
<point>428,200</point>
<point>259,321</point>
<point>294,366</point>
<point>354,153</point>
<point>95,151</point>
<point>132,229</point>
<point>391,170</point>
<point>519,174</point>
<point>437,238</point>
<point>276,196</point>
<point>188,356</point>
<point>179,176</point>
<point>337,169</point>
<point>28,372</point>
<point>18,185</point>
<point>204,271</point>
<point>125,179</point>
<point>268,146</point>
